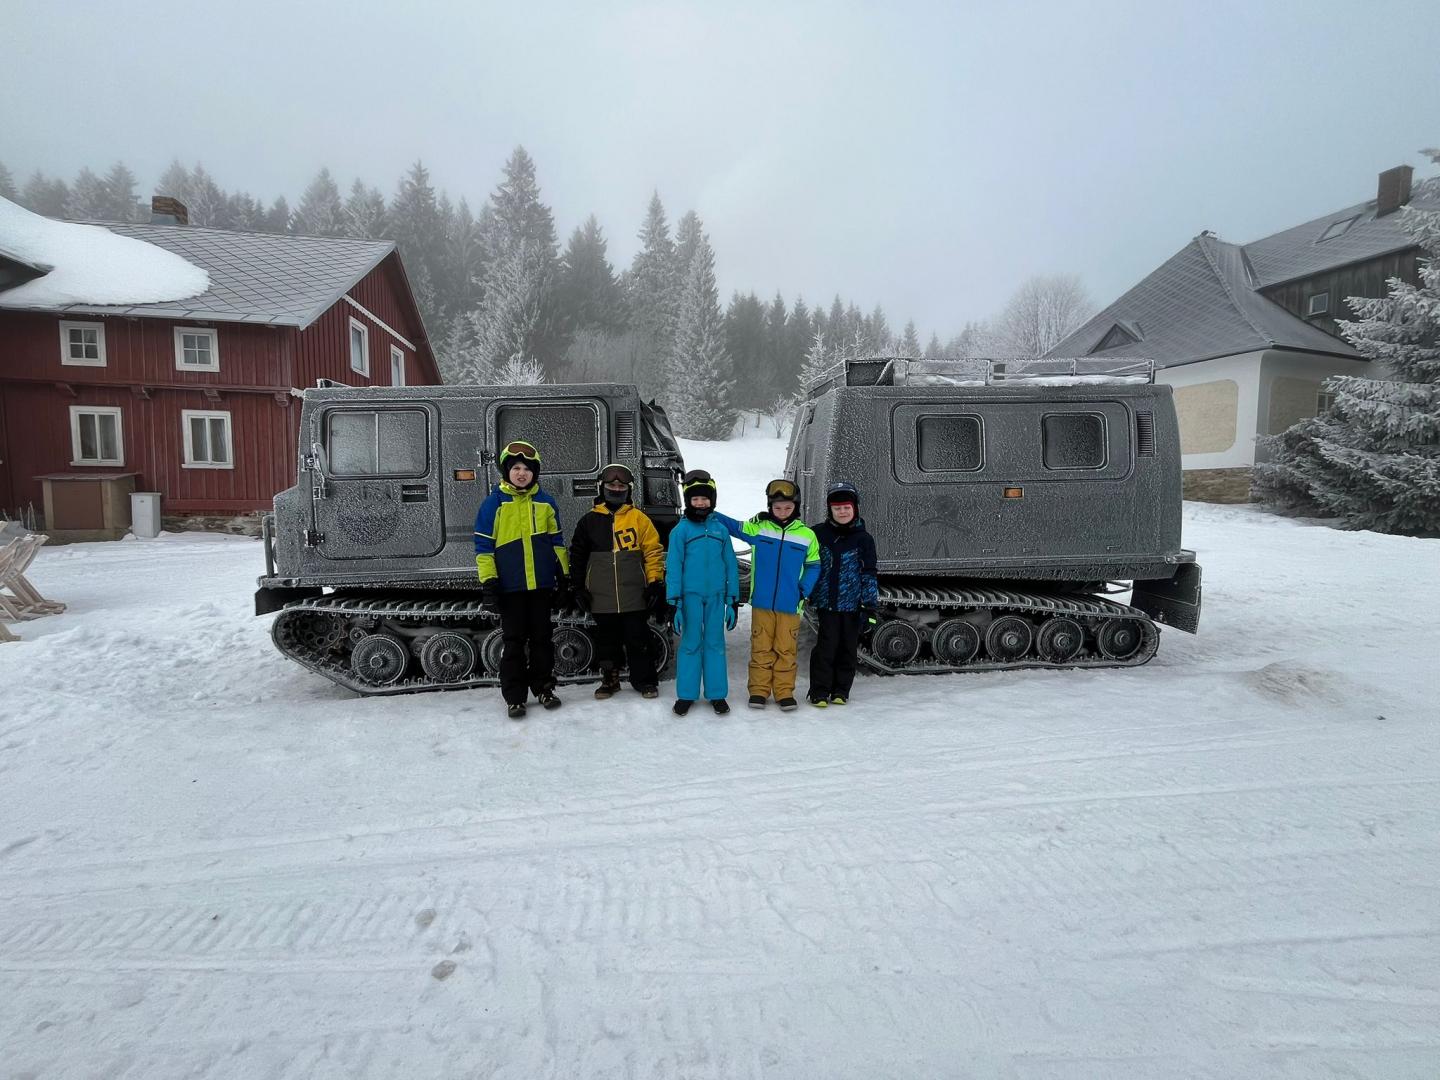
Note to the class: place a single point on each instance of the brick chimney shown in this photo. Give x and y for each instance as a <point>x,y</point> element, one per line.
<point>167,211</point>
<point>1394,190</point>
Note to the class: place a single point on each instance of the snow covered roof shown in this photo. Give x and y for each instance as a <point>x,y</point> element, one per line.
<point>252,277</point>
<point>86,264</point>
<point>1200,303</point>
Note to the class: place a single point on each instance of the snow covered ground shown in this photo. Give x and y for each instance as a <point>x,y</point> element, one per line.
<point>1223,864</point>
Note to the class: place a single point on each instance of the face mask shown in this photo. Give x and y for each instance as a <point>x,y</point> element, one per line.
<point>615,498</point>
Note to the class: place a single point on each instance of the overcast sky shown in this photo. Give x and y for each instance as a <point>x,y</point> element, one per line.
<point>924,156</point>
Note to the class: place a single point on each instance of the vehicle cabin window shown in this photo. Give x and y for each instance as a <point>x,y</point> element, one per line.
<point>567,435</point>
<point>1074,441</point>
<point>949,443</point>
<point>385,442</point>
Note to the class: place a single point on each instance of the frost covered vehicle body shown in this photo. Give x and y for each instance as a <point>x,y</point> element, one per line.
<point>1006,499</point>
<point>370,557</point>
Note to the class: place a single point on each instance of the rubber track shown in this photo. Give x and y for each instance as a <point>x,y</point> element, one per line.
<point>432,612</point>
<point>953,601</point>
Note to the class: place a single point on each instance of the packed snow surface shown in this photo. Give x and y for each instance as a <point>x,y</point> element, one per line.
<point>1223,864</point>
<point>91,264</point>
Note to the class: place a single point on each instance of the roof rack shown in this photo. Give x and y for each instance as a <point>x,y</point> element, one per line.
<point>981,371</point>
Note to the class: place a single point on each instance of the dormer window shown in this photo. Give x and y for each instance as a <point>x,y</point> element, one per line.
<point>1318,304</point>
<point>1117,337</point>
<point>1336,228</point>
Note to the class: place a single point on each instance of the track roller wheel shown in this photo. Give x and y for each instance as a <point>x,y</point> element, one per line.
<point>1059,640</point>
<point>379,659</point>
<point>955,641</point>
<point>1119,639</point>
<point>492,651</point>
<point>1008,638</point>
<point>895,642</point>
<point>574,651</point>
<point>448,657</point>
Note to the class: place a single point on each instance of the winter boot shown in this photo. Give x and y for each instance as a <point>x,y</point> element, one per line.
<point>649,691</point>
<point>721,706</point>
<point>681,707</point>
<point>818,700</point>
<point>548,699</point>
<point>756,701</point>
<point>609,684</point>
<point>788,704</point>
<point>516,712</point>
<point>837,699</point>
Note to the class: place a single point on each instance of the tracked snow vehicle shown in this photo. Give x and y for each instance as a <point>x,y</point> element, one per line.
<point>369,558</point>
<point>1010,502</point>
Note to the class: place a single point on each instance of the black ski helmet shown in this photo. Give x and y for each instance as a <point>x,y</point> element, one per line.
<point>697,482</point>
<point>842,491</point>
<point>782,489</point>
<point>519,450</point>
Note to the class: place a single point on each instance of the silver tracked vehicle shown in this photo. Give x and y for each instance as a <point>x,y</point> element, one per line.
<point>370,557</point>
<point>1009,501</point>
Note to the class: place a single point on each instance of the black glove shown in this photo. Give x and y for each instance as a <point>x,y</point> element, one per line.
<point>563,595</point>
<point>582,599</point>
<point>490,595</point>
<point>655,598</point>
<point>869,619</point>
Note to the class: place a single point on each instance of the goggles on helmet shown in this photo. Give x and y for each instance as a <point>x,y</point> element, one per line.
<point>697,478</point>
<point>520,448</point>
<point>612,474</point>
<point>781,489</point>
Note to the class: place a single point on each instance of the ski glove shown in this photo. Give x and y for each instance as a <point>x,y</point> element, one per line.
<point>655,597</point>
<point>677,621</point>
<point>583,599</point>
<point>563,595</point>
<point>490,595</point>
<point>732,614</point>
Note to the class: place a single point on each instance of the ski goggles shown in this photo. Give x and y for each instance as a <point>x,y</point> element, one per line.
<point>781,489</point>
<point>616,474</point>
<point>697,479</point>
<point>520,448</point>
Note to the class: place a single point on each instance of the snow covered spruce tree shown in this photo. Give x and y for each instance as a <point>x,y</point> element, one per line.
<point>700,380</point>
<point>321,213</point>
<point>1373,458</point>
<point>650,288</point>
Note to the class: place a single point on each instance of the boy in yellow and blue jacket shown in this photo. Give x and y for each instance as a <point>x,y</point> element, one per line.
<point>520,555</point>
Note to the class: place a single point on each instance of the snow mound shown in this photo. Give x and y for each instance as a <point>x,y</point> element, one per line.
<point>91,265</point>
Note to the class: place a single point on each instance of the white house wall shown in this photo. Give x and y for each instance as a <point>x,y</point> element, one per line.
<point>1243,369</point>
<point>1282,374</point>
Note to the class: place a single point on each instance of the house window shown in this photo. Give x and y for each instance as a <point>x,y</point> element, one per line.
<point>1318,304</point>
<point>207,439</point>
<point>1324,400</point>
<point>1336,228</point>
<point>359,348</point>
<point>197,349</point>
<point>397,366</point>
<point>96,437</point>
<point>82,344</point>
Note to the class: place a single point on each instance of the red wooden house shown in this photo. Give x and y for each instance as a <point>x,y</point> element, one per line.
<point>194,396</point>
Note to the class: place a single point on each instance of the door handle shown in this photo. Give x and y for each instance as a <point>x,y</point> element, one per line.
<point>582,486</point>
<point>413,493</point>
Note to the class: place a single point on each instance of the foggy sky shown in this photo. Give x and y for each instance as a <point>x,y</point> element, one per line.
<point>927,157</point>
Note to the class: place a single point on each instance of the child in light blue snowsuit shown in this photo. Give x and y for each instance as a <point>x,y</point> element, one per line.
<point>702,584</point>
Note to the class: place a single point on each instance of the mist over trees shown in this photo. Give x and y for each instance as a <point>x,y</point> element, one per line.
<point>502,299</point>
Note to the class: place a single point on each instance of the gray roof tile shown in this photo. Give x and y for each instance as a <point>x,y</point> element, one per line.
<point>254,277</point>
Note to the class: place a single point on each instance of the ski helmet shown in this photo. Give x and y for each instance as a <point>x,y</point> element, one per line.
<point>782,489</point>
<point>842,491</point>
<point>698,482</point>
<point>519,450</point>
<point>613,473</point>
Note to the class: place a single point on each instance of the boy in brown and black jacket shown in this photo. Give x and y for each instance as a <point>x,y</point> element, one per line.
<point>618,566</point>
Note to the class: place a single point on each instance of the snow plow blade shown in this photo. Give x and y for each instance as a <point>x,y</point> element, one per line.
<point>1172,601</point>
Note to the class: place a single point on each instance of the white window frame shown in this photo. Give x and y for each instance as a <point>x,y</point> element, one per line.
<point>66,325</point>
<point>1323,400</point>
<point>397,365</point>
<point>1324,309</point>
<point>208,331</point>
<point>186,415</point>
<point>100,410</point>
<point>356,324</point>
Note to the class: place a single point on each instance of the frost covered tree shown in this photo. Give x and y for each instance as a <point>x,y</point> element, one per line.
<point>1043,311</point>
<point>700,382</point>
<point>688,234</point>
<point>247,212</point>
<point>1373,457</point>
<point>42,195</point>
<point>413,222</point>
<point>120,201</point>
<point>520,371</point>
<point>277,218</point>
<point>364,212</point>
<point>87,197</point>
<point>459,353</point>
<point>321,213</point>
<point>653,298</point>
<point>934,350</point>
<point>7,184</point>
<point>587,292</point>
<point>909,341</point>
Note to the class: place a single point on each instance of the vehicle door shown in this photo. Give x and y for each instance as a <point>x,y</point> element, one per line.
<point>375,483</point>
<point>572,435</point>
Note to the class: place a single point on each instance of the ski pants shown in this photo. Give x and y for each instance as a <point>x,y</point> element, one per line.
<point>525,627</point>
<point>832,662</point>
<point>625,640</point>
<point>702,648</point>
<point>772,653</point>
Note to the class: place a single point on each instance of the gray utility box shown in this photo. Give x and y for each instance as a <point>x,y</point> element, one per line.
<point>145,514</point>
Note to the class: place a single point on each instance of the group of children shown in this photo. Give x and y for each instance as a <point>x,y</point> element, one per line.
<point>616,570</point>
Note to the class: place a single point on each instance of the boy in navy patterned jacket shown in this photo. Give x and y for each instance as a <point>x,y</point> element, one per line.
<point>844,597</point>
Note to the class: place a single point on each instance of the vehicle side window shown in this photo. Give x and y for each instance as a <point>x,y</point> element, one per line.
<point>949,443</point>
<point>1074,440</point>
<point>382,442</point>
<point>568,435</point>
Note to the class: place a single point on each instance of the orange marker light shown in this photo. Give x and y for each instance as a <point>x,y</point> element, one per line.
<point>464,474</point>
<point>1014,493</point>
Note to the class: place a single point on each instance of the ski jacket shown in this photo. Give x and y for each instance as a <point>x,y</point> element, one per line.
<point>785,562</point>
<point>701,561</point>
<point>847,567</point>
<point>614,555</point>
<point>518,539</point>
